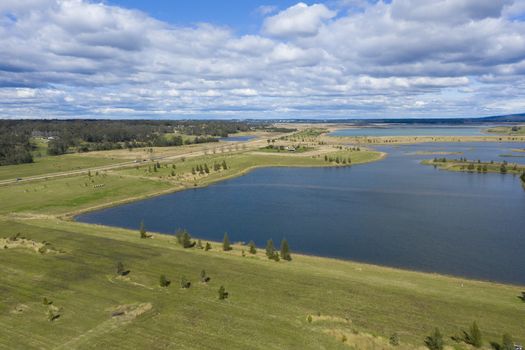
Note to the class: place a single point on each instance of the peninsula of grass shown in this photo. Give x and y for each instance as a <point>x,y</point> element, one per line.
<point>507,130</point>
<point>68,285</point>
<point>471,166</point>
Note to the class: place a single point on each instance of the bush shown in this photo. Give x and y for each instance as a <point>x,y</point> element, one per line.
<point>184,283</point>
<point>164,282</point>
<point>204,278</point>
<point>207,247</point>
<point>434,341</point>
<point>121,271</point>
<point>223,294</point>
<point>394,339</point>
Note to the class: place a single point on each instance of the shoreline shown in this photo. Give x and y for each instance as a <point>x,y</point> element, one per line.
<point>70,216</point>
<point>239,246</point>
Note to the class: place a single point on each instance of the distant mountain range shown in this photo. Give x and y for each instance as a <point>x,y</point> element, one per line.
<point>511,118</point>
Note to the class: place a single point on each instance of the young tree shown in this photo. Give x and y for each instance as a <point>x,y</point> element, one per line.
<point>164,282</point>
<point>224,165</point>
<point>142,230</point>
<point>223,294</point>
<point>120,268</point>
<point>204,278</point>
<point>184,283</point>
<point>435,340</point>
<point>473,336</point>
<point>207,247</point>
<point>252,248</point>
<point>226,243</point>
<point>285,250</point>
<point>199,244</point>
<point>270,249</point>
<point>186,240</point>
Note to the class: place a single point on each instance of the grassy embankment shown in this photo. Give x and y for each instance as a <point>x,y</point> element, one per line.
<point>269,302</point>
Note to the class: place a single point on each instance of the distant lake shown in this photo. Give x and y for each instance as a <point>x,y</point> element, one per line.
<point>411,131</point>
<point>394,212</point>
<point>237,138</point>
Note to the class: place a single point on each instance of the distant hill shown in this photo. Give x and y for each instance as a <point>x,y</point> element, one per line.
<point>511,118</point>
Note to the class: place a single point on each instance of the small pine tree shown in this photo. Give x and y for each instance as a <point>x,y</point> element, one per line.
<point>204,278</point>
<point>224,165</point>
<point>222,293</point>
<point>207,247</point>
<point>285,250</point>
<point>252,248</point>
<point>184,283</point>
<point>270,249</point>
<point>199,244</point>
<point>226,246</point>
<point>186,240</point>
<point>435,340</point>
<point>309,319</point>
<point>142,230</point>
<point>193,171</point>
<point>206,169</point>
<point>473,336</point>
<point>164,282</point>
<point>120,268</point>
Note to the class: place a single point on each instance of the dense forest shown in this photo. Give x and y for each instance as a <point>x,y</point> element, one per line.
<point>64,136</point>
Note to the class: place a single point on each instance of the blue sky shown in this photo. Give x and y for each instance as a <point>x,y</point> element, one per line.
<point>261,59</point>
<point>242,15</point>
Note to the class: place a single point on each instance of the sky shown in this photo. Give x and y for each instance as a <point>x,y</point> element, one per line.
<point>261,58</point>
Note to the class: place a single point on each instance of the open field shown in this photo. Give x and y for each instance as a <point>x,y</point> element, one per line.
<point>269,302</point>
<point>268,306</point>
<point>55,164</point>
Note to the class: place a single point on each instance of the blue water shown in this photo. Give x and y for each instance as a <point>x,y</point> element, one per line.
<point>237,138</point>
<point>411,131</point>
<point>395,212</point>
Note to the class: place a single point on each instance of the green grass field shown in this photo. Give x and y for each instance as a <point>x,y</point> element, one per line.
<point>54,164</point>
<point>269,302</point>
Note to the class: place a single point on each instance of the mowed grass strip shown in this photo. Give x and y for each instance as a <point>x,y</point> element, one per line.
<point>268,306</point>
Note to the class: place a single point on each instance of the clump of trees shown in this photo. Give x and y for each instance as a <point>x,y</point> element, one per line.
<point>184,239</point>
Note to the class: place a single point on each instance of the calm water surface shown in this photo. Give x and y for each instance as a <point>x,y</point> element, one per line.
<point>237,138</point>
<point>411,131</point>
<point>395,212</point>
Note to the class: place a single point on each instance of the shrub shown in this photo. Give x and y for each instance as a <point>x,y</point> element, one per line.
<point>394,339</point>
<point>207,247</point>
<point>184,283</point>
<point>164,282</point>
<point>204,278</point>
<point>434,341</point>
<point>309,319</point>
<point>223,294</point>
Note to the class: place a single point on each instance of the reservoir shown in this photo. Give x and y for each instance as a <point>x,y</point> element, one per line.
<point>395,212</point>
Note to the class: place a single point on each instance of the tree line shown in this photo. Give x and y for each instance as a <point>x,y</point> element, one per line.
<point>95,135</point>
